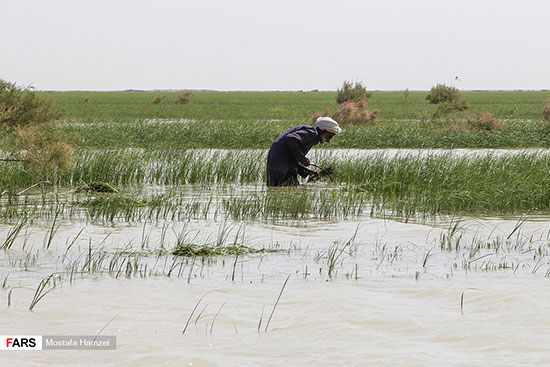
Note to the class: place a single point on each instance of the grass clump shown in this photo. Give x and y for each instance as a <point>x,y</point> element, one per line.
<point>355,113</point>
<point>473,123</point>
<point>353,110</point>
<point>484,121</point>
<point>184,97</point>
<point>158,99</point>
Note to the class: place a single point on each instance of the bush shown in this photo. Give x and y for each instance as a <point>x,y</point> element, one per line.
<point>546,111</point>
<point>184,98</point>
<point>484,121</point>
<point>352,92</point>
<point>21,107</point>
<point>350,113</point>
<point>446,108</point>
<point>442,93</point>
<point>30,131</point>
<point>353,110</point>
<point>353,113</point>
<point>158,99</point>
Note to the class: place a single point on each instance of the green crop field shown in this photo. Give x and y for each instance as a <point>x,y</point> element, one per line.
<point>241,120</point>
<point>288,106</point>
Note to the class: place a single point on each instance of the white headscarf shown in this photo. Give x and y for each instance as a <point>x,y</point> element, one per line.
<point>328,124</point>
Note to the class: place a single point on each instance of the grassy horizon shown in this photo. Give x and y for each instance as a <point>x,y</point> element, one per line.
<point>289,106</point>
<point>245,120</point>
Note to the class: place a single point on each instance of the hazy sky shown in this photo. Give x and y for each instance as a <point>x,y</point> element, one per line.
<point>275,45</point>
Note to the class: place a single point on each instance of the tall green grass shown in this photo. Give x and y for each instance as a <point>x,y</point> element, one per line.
<point>260,134</point>
<point>405,185</point>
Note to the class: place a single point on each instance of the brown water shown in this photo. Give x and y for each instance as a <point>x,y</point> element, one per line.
<point>399,311</point>
<point>392,297</point>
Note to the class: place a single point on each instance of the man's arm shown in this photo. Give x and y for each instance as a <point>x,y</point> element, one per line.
<point>293,140</point>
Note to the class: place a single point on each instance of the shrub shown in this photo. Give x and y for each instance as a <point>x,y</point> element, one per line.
<point>30,131</point>
<point>21,107</point>
<point>184,98</point>
<point>484,121</point>
<point>158,99</point>
<point>546,111</point>
<point>353,110</point>
<point>449,107</point>
<point>456,129</point>
<point>318,114</point>
<point>442,93</point>
<point>352,92</point>
<point>350,113</point>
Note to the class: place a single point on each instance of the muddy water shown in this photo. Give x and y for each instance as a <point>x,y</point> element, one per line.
<point>384,303</point>
<point>368,291</point>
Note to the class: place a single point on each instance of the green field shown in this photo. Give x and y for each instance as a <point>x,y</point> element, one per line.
<point>240,120</point>
<point>293,107</point>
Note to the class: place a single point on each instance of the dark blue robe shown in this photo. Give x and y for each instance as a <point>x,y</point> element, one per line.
<point>286,152</point>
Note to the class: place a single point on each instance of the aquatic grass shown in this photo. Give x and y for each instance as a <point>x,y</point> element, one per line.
<point>52,231</point>
<point>447,184</point>
<point>276,303</point>
<point>220,246</point>
<point>192,313</point>
<point>125,167</point>
<point>292,203</point>
<point>13,233</point>
<point>406,186</point>
<point>45,286</point>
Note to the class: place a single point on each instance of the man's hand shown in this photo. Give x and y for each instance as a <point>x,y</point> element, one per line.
<point>314,174</point>
<point>305,162</point>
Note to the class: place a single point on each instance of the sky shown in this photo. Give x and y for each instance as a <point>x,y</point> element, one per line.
<point>275,45</point>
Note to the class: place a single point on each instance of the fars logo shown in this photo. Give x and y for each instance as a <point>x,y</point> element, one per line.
<point>20,342</point>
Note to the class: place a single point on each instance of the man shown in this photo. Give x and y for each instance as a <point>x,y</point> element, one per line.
<point>287,155</point>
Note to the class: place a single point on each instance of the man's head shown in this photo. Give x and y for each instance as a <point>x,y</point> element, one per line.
<point>328,128</point>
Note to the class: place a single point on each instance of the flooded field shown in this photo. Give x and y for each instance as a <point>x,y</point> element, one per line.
<point>354,286</point>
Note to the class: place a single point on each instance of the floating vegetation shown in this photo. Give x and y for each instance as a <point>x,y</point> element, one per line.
<point>189,250</point>
<point>97,187</point>
<point>114,201</point>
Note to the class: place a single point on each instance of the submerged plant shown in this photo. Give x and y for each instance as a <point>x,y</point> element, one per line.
<point>97,187</point>
<point>191,250</point>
